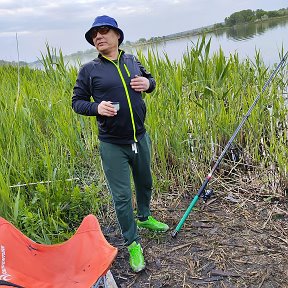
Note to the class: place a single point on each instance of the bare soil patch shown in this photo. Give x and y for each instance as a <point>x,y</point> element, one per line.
<point>238,238</point>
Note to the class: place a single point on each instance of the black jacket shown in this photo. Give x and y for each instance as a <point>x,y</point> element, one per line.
<point>106,80</point>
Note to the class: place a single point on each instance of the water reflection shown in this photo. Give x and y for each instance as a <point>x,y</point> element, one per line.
<point>250,30</point>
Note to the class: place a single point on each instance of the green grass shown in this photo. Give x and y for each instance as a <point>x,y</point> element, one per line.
<point>50,171</point>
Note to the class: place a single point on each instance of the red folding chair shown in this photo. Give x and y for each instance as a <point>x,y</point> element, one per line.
<point>80,262</point>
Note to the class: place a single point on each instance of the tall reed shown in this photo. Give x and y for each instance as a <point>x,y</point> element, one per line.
<point>44,141</point>
<point>200,101</point>
<point>50,171</point>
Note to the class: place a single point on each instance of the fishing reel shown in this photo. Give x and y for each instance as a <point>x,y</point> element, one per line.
<point>207,195</point>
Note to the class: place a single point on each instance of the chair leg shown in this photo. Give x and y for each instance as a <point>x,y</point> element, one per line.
<point>101,283</point>
<point>106,281</point>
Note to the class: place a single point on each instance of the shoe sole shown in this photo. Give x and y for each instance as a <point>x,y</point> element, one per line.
<point>158,231</point>
<point>139,269</point>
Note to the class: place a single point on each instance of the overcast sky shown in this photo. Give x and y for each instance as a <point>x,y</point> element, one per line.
<point>63,23</point>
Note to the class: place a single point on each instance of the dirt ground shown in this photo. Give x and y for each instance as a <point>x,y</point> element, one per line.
<point>238,238</point>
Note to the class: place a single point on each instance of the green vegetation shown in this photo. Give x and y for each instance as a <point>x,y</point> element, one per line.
<point>246,16</point>
<point>42,140</point>
<point>50,171</point>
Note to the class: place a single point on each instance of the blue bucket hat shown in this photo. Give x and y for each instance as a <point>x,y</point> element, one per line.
<point>104,21</point>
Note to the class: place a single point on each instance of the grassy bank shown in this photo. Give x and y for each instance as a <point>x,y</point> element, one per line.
<point>50,172</point>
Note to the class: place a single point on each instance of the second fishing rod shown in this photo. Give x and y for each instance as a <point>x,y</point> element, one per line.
<point>206,194</point>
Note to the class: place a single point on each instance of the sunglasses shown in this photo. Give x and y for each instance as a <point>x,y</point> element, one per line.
<point>102,30</point>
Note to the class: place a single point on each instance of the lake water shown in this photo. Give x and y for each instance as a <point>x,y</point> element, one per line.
<point>267,37</point>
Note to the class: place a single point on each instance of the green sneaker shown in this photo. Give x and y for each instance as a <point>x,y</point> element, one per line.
<point>153,225</point>
<point>136,259</point>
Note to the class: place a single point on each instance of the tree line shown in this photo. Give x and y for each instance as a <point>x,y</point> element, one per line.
<point>14,63</point>
<point>246,16</point>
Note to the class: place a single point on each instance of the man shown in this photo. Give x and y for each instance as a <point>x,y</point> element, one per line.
<point>115,81</point>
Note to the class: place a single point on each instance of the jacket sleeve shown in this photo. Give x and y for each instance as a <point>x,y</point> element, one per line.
<point>81,99</point>
<point>148,75</point>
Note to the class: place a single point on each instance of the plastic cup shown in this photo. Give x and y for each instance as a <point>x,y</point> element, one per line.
<point>116,105</point>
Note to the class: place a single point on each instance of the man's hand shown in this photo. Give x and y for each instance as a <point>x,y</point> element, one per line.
<point>105,108</point>
<point>140,84</point>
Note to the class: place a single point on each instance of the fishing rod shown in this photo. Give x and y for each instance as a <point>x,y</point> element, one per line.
<point>207,194</point>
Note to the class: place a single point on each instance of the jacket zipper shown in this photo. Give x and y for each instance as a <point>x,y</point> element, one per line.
<point>127,71</point>
<point>126,91</point>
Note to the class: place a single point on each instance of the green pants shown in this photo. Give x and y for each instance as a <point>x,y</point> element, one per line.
<point>118,162</point>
